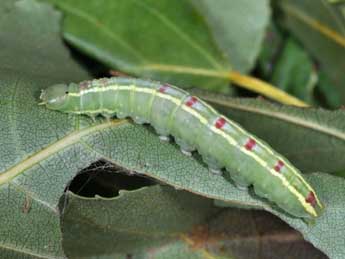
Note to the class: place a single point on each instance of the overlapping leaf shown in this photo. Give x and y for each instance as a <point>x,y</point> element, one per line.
<point>320,27</point>
<point>138,220</point>
<point>238,27</point>
<point>166,40</point>
<point>154,222</point>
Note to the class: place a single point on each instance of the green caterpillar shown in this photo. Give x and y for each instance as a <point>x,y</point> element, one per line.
<point>195,126</point>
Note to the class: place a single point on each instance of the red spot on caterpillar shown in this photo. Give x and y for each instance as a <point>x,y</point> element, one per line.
<point>251,143</point>
<point>191,101</point>
<point>163,88</point>
<point>220,122</point>
<point>311,199</point>
<point>278,167</point>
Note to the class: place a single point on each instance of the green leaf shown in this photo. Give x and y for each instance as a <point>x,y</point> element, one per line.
<point>134,221</point>
<point>312,138</point>
<point>271,46</point>
<point>294,72</point>
<point>335,1</point>
<point>321,28</point>
<point>160,222</point>
<point>238,27</point>
<point>328,90</point>
<point>32,57</point>
<point>327,232</point>
<point>166,40</point>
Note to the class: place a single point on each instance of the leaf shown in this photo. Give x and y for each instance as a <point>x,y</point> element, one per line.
<point>160,222</point>
<point>166,40</point>
<point>328,91</point>
<point>321,29</point>
<point>31,55</point>
<point>134,221</point>
<point>313,139</point>
<point>294,72</point>
<point>238,27</point>
<point>271,47</point>
<point>329,227</point>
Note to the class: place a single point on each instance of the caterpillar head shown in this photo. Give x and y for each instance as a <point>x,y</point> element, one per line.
<point>56,97</point>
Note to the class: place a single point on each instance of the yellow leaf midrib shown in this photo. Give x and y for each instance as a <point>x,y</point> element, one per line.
<point>52,149</point>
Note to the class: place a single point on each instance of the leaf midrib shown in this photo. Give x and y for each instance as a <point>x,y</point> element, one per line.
<point>324,30</point>
<point>27,252</point>
<point>52,149</point>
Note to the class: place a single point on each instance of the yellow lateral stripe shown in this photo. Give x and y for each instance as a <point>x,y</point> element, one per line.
<point>233,142</point>
<point>287,164</point>
<point>300,197</point>
<point>204,121</point>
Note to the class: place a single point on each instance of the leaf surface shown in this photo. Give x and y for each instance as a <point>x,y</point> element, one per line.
<point>238,28</point>
<point>133,221</point>
<point>160,222</point>
<point>166,40</point>
<point>294,72</point>
<point>31,55</point>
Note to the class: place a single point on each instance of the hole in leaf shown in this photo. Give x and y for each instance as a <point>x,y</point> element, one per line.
<point>106,179</point>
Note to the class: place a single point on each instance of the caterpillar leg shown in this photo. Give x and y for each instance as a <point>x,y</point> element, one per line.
<point>139,120</point>
<point>164,138</point>
<point>186,152</point>
<point>212,164</point>
<point>240,182</point>
<point>215,171</point>
<point>163,134</point>
<point>185,148</point>
<point>92,116</point>
<point>121,115</point>
<point>259,192</point>
<point>108,116</point>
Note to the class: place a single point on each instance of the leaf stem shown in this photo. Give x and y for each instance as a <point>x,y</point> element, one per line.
<point>264,88</point>
<point>244,81</point>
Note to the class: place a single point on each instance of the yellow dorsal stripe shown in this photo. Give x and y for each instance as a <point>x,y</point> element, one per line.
<point>204,121</point>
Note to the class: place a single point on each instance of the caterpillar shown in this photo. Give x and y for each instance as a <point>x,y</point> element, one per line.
<point>194,125</point>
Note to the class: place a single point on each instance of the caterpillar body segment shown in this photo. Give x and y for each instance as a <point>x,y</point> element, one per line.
<point>195,126</point>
